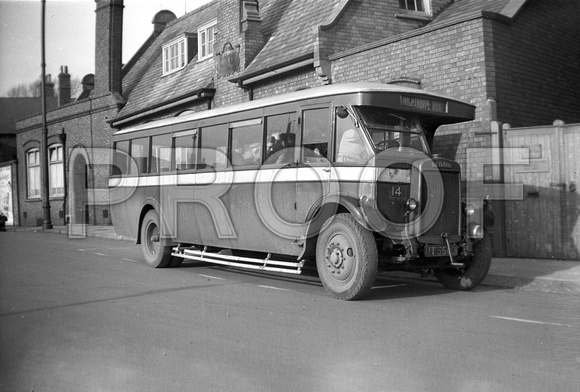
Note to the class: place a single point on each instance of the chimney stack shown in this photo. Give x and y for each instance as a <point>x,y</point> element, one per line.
<point>63,86</point>
<point>251,29</point>
<point>108,49</point>
<point>48,86</point>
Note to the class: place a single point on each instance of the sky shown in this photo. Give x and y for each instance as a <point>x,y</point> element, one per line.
<point>69,35</point>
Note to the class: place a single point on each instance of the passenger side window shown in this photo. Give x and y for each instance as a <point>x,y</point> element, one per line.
<point>214,141</point>
<point>160,153</point>
<point>121,158</point>
<point>280,138</point>
<point>185,147</point>
<point>140,154</point>
<point>247,143</point>
<point>316,130</point>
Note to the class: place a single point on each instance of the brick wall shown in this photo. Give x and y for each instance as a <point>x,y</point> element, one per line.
<point>85,126</point>
<point>448,61</point>
<point>302,78</point>
<point>535,64</point>
<point>367,21</point>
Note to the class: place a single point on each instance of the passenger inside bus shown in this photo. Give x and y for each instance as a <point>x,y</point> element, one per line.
<point>280,149</point>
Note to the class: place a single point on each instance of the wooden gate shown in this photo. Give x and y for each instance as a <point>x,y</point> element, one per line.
<point>546,222</point>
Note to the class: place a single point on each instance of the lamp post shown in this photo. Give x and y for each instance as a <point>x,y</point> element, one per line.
<point>46,224</point>
<point>62,138</point>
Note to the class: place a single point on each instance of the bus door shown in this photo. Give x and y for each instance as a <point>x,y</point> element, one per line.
<point>313,168</point>
<point>275,191</point>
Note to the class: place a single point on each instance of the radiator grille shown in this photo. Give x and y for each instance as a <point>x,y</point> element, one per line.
<point>449,218</point>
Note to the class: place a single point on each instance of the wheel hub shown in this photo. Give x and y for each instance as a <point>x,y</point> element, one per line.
<point>338,257</point>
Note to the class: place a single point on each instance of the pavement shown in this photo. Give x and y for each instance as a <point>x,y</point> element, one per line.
<point>545,275</point>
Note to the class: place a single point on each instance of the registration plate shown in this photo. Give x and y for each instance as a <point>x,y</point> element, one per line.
<point>439,250</point>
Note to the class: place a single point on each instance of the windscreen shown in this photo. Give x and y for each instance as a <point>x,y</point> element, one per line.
<point>389,129</point>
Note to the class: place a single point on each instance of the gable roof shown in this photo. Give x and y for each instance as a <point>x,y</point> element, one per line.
<point>291,36</point>
<point>290,33</point>
<point>144,86</point>
<point>289,27</point>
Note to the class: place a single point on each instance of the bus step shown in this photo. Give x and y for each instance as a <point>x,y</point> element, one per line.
<point>264,264</point>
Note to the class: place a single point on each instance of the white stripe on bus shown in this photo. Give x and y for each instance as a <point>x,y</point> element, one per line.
<point>302,174</point>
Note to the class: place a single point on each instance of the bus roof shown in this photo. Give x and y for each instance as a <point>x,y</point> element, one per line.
<point>309,93</point>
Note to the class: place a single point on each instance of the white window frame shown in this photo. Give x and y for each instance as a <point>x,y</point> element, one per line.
<point>33,173</point>
<point>426,6</point>
<point>205,40</point>
<point>55,170</point>
<point>175,55</point>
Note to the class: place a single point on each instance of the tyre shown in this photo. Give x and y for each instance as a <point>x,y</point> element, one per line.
<point>475,271</point>
<point>156,250</point>
<point>346,258</point>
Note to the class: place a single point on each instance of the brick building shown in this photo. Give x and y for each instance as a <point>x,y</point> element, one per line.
<point>76,132</point>
<point>516,60</point>
<point>11,110</point>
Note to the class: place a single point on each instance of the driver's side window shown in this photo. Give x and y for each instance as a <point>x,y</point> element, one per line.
<point>350,146</point>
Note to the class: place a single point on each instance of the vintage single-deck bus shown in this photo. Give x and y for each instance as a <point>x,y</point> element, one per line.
<point>341,176</point>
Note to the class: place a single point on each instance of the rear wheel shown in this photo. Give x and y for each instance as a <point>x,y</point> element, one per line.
<point>156,250</point>
<point>346,258</point>
<point>475,271</point>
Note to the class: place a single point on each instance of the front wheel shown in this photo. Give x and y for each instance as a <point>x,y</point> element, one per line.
<point>346,258</point>
<point>475,271</point>
<point>156,250</point>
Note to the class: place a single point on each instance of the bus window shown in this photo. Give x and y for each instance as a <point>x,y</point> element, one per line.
<point>350,145</point>
<point>121,158</point>
<point>185,144</point>
<point>140,154</point>
<point>160,153</point>
<point>392,130</point>
<point>247,143</point>
<point>316,129</point>
<point>280,137</point>
<point>214,141</point>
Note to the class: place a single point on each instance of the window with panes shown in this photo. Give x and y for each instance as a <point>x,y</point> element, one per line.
<point>33,173</point>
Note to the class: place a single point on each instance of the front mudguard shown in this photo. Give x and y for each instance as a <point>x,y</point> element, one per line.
<point>319,215</point>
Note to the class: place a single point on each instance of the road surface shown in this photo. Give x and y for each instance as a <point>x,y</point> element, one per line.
<point>89,315</point>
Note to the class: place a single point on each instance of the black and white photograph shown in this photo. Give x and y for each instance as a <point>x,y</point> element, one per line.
<point>289,195</point>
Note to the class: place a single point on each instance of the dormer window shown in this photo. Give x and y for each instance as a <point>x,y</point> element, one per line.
<point>177,53</point>
<point>205,40</point>
<point>412,5</point>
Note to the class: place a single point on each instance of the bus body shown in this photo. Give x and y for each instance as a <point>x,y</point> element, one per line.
<point>342,175</point>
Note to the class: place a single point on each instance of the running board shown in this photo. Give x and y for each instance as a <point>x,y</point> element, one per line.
<point>236,261</point>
